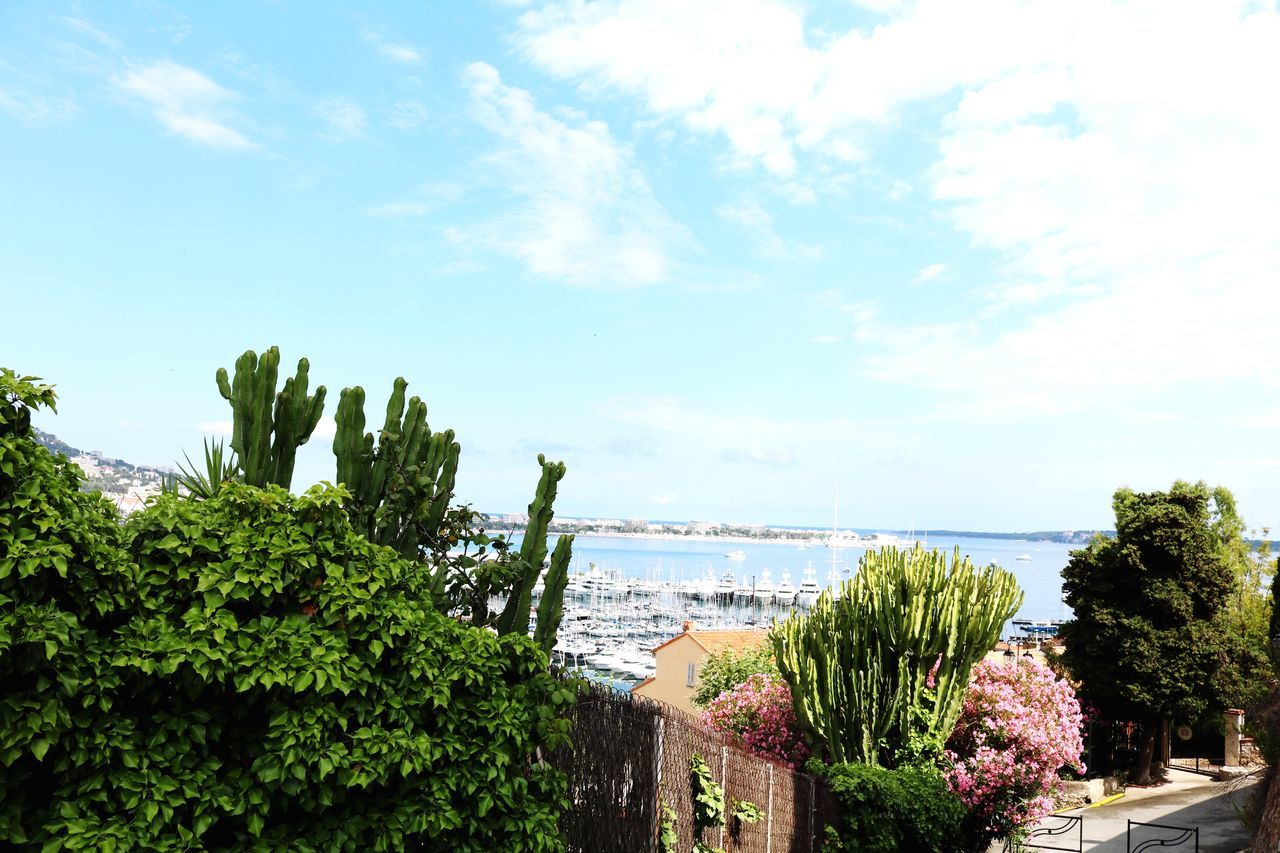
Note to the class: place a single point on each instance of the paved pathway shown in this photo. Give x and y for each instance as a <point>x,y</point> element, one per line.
<point>1186,800</point>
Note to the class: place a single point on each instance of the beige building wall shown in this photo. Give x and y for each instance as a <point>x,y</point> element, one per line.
<point>679,663</point>
<point>670,682</point>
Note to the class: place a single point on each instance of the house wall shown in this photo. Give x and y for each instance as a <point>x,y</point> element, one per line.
<point>670,679</point>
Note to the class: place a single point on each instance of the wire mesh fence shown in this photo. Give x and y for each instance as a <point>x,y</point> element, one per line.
<point>631,756</point>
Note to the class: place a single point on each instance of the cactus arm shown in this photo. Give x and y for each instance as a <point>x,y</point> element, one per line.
<point>858,664</point>
<point>533,549</point>
<point>551,607</point>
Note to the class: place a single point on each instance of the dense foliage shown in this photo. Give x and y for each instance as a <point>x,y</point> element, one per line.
<point>1019,727</point>
<point>1148,639</point>
<point>248,672</point>
<point>399,486</point>
<point>727,668</point>
<point>760,712</point>
<point>883,667</point>
<point>62,582</point>
<point>888,811</point>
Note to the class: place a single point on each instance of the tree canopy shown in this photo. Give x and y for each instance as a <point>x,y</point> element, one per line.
<point>1148,640</point>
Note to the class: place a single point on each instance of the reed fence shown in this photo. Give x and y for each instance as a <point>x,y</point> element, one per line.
<point>631,755</point>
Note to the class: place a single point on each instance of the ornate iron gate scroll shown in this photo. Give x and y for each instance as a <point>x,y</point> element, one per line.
<point>1184,834</point>
<point>1058,831</point>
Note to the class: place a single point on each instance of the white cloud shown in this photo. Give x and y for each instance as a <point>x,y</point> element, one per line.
<point>1133,198</point>
<point>732,66</point>
<point>929,273</point>
<point>759,224</point>
<point>401,53</point>
<point>37,110</point>
<point>215,427</point>
<point>326,427</point>
<point>186,102</point>
<point>663,499</point>
<point>586,215</point>
<point>343,117</point>
<point>1118,160</point>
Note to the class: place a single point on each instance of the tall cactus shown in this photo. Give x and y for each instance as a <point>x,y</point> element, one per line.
<point>859,664</point>
<point>401,490</point>
<point>551,607</point>
<point>269,427</point>
<point>533,550</point>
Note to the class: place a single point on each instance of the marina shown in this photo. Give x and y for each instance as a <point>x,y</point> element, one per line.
<point>627,595</point>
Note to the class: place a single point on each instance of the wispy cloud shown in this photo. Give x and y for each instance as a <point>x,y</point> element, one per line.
<point>402,53</point>
<point>215,427</point>
<point>407,114</point>
<point>37,110</point>
<point>1129,206</point>
<point>344,119</point>
<point>757,222</point>
<point>83,26</point>
<point>751,438</point>
<point>929,273</point>
<point>426,199</point>
<point>186,102</point>
<point>585,214</point>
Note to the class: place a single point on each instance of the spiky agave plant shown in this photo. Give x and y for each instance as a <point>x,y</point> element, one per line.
<point>219,467</point>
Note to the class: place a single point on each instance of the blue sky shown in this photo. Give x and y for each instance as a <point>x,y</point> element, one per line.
<point>971,265</point>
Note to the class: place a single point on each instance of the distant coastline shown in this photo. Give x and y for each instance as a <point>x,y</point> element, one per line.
<point>128,486</point>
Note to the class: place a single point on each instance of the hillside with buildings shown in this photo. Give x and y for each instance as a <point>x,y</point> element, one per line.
<point>126,485</point>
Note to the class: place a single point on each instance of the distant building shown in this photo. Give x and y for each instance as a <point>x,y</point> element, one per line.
<point>703,526</point>
<point>679,662</point>
<point>515,518</point>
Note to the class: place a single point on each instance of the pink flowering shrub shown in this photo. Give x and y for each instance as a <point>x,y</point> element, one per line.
<point>1019,726</point>
<point>759,711</point>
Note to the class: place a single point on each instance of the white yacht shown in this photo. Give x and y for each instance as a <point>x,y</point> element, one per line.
<point>727,584</point>
<point>786,592</point>
<point>706,586</point>
<point>1023,558</point>
<point>808,593</point>
<point>737,555</point>
<point>764,587</point>
<point>744,590</point>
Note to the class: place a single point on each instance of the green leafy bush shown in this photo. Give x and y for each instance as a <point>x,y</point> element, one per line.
<point>248,672</point>
<point>61,585</point>
<point>886,811</point>
<point>729,667</point>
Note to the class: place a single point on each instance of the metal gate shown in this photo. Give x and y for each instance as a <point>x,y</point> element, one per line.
<point>1053,833</point>
<point>1166,837</point>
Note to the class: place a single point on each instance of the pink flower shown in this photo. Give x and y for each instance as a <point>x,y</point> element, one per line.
<point>1019,726</point>
<point>760,712</point>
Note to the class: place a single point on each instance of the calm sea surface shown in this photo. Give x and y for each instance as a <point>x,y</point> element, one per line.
<point>675,560</point>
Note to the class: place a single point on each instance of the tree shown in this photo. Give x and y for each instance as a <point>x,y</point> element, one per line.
<point>1148,636</point>
<point>1244,680</point>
